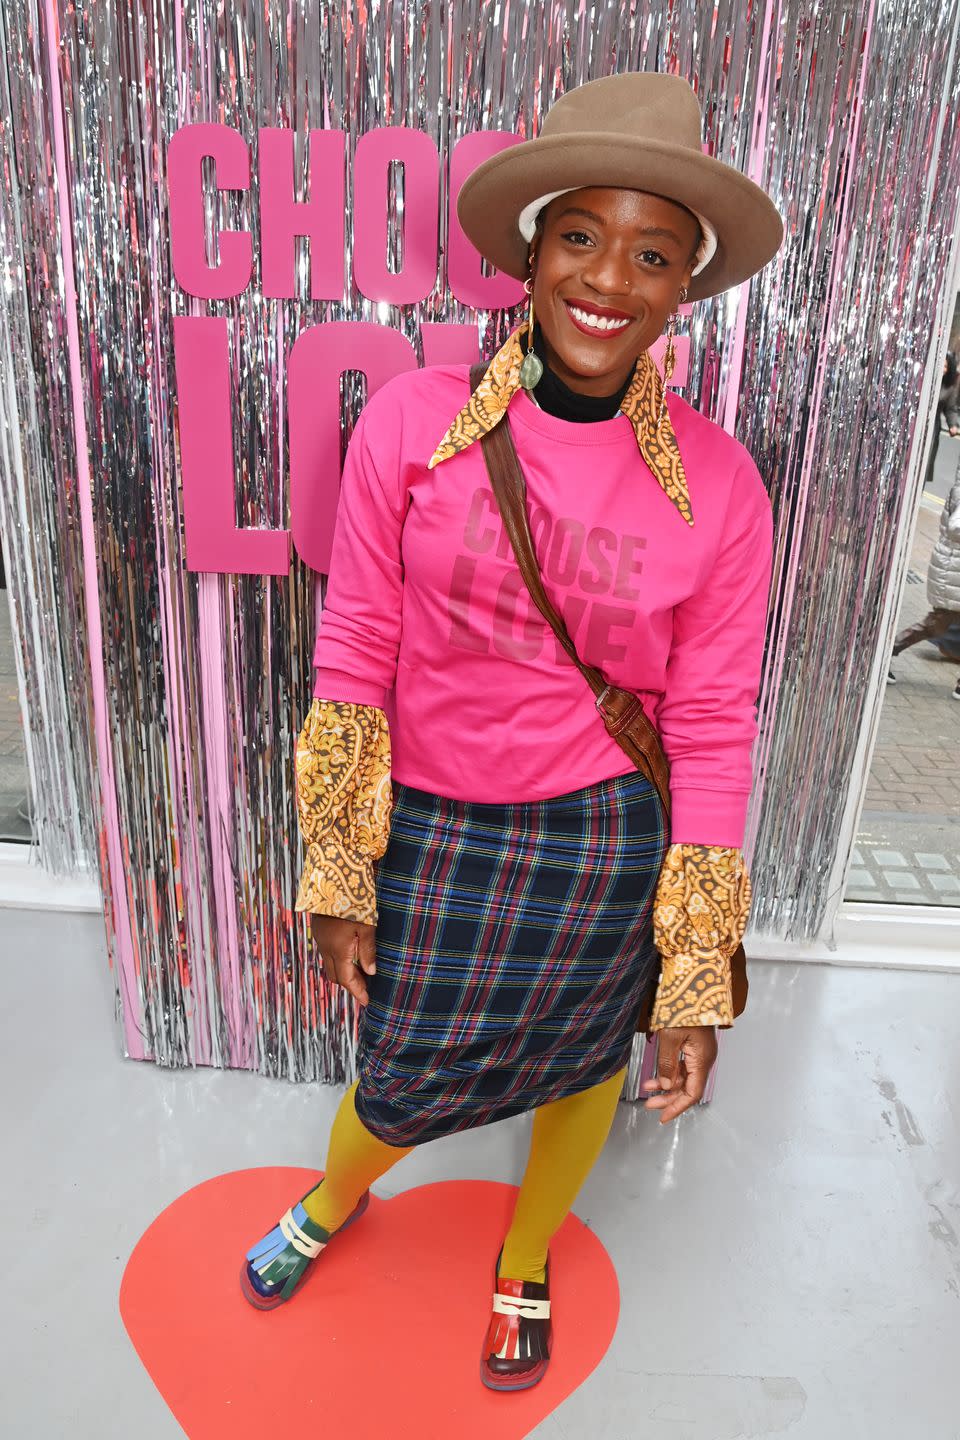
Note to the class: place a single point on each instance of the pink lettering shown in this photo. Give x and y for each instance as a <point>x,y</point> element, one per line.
<point>216,278</point>
<point>476,539</point>
<point>541,527</point>
<point>462,635</point>
<point>201,348</point>
<point>421,179</point>
<point>562,562</point>
<point>629,564</point>
<point>505,614</point>
<point>320,218</point>
<point>318,359</point>
<point>572,609</point>
<point>219,266</point>
<point>465,277</point>
<point>600,648</point>
<point>599,580</point>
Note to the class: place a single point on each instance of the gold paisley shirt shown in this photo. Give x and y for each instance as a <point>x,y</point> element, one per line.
<point>700,913</point>
<point>344,802</point>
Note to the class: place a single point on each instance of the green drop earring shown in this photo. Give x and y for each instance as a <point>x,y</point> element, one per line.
<point>531,367</point>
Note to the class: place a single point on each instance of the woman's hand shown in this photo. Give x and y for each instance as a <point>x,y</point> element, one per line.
<point>681,1078</point>
<point>348,951</point>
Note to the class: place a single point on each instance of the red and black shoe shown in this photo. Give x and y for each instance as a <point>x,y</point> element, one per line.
<point>516,1352</point>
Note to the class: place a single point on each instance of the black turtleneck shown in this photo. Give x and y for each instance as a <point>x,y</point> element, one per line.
<point>558,399</point>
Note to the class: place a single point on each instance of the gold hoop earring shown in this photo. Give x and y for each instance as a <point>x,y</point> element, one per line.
<point>531,367</point>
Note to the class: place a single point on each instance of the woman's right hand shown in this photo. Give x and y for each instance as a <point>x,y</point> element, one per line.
<point>348,951</point>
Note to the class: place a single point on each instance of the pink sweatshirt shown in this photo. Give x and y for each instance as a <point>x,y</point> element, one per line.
<point>427,617</point>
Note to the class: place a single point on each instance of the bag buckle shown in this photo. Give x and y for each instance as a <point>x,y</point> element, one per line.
<point>602,696</point>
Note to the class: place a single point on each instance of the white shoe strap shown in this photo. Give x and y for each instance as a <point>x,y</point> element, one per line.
<point>298,1238</point>
<point>526,1309</point>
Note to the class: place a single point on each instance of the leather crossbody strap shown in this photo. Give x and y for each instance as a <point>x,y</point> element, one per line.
<point>622,712</point>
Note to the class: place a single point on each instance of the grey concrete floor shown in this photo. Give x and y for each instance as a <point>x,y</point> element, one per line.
<point>788,1256</point>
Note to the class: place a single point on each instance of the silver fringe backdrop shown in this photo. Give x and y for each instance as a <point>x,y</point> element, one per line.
<point>39,497</point>
<point>192,687</point>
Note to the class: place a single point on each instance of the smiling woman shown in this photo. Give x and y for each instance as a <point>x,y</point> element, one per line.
<point>607,267</point>
<point>488,872</point>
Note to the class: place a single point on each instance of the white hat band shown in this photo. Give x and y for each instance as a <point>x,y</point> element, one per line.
<point>528,226</point>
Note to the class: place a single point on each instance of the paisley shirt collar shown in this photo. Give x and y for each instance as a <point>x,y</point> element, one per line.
<point>658,445</point>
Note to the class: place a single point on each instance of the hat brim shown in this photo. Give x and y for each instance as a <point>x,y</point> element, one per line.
<point>748,224</point>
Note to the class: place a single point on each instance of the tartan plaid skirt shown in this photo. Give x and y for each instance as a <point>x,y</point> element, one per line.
<point>514,946</point>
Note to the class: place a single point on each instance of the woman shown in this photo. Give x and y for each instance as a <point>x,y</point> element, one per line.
<point>943,583</point>
<point>497,926</point>
<point>947,412</point>
<point>943,574</point>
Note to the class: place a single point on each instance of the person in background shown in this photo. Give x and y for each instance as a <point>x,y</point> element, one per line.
<point>947,411</point>
<point>943,583</point>
<point>949,644</point>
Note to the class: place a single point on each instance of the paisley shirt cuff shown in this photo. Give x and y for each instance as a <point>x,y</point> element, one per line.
<point>344,802</point>
<point>700,914</point>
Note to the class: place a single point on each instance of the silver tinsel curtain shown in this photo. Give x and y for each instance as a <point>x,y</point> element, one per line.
<point>189,689</point>
<point>39,501</point>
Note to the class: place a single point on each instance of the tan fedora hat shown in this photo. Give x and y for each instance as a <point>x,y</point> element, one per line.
<point>631,132</point>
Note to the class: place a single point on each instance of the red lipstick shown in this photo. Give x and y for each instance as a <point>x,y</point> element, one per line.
<point>602,312</point>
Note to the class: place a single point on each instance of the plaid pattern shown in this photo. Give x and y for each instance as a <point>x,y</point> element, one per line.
<point>514,946</point>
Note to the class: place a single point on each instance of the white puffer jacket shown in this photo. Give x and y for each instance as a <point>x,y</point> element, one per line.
<point>943,576</point>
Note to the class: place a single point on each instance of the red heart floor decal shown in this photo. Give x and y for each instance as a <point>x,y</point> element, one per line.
<point>384,1340</point>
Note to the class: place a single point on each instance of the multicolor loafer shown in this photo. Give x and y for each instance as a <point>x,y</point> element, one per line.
<point>275,1267</point>
<point>516,1352</point>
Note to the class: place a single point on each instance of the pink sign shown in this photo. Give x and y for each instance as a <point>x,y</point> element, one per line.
<point>320,218</point>
<point>417,276</point>
<point>220,266</point>
<point>214,541</point>
<point>228,271</point>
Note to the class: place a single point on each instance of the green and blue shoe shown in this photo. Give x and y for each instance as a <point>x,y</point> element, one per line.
<point>276,1266</point>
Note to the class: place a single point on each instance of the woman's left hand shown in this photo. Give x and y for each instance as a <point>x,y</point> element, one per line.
<point>684,1061</point>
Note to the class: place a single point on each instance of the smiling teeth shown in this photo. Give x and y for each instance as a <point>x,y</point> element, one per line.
<point>597,322</point>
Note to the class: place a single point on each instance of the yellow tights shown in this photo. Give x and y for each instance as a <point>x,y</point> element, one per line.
<point>568,1135</point>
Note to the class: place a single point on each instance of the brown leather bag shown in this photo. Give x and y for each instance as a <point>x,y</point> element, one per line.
<point>622,711</point>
